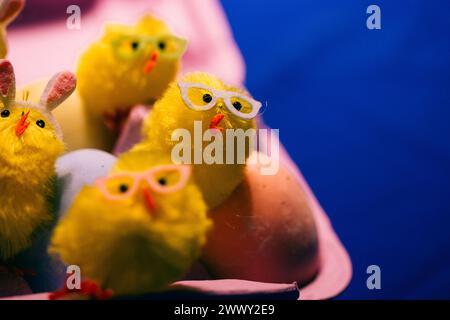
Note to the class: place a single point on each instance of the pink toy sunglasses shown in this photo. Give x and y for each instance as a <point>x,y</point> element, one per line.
<point>129,182</point>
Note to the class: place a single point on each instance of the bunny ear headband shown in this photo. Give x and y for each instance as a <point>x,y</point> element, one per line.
<point>58,89</point>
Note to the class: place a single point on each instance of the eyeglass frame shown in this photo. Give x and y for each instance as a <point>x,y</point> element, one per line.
<point>219,94</point>
<point>150,39</point>
<point>148,177</point>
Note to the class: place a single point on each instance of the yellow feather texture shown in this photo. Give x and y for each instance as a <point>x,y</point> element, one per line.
<point>123,246</point>
<point>107,82</point>
<point>216,181</point>
<point>27,167</point>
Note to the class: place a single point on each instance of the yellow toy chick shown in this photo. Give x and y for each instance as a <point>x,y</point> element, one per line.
<point>136,230</point>
<point>9,9</point>
<point>221,108</point>
<point>128,66</point>
<point>30,142</point>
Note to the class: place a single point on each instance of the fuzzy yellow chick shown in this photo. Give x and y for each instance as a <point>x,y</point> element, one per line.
<point>30,142</point>
<point>137,230</point>
<point>9,9</point>
<point>203,97</point>
<point>129,65</point>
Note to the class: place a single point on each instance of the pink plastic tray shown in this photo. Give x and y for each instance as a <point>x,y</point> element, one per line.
<point>209,36</point>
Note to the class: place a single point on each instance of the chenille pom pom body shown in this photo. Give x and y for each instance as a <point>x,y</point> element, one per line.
<point>125,246</point>
<point>30,142</point>
<point>216,181</point>
<point>112,77</point>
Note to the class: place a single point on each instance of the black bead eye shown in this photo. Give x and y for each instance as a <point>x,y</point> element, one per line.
<point>134,45</point>
<point>237,105</point>
<point>207,98</point>
<point>162,181</point>
<point>123,188</point>
<point>5,114</point>
<point>161,45</point>
<point>40,123</point>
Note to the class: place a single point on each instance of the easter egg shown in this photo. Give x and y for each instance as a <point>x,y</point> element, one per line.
<point>77,169</point>
<point>264,231</point>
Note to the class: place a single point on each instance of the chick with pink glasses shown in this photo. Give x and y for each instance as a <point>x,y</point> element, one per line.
<point>135,231</point>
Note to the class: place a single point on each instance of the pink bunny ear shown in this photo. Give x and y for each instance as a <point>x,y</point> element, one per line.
<point>58,89</point>
<point>9,9</point>
<point>7,82</point>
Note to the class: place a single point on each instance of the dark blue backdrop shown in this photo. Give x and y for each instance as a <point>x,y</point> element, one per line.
<point>365,114</point>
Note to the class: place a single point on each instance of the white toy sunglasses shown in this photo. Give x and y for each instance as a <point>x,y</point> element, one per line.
<point>210,96</point>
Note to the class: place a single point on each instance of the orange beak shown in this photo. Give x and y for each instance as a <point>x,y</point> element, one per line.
<point>215,121</point>
<point>151,63</point>
<point>148,199</point>
<point>22,125</point>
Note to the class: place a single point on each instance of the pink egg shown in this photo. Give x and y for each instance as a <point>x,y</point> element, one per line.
<point>264,232</point>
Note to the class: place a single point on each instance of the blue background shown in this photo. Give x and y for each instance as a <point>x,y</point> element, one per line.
<point>365,114</point>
